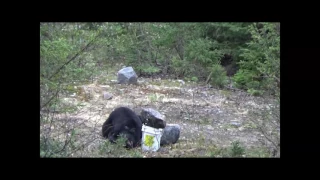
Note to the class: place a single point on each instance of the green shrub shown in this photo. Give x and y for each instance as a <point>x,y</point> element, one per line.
<point>219,77</point>
<point>236,149</point>
<point>255,92</point>
<point>148,69</point>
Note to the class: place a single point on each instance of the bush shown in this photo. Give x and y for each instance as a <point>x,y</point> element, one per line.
<point>255,92</point>
<point>245,79</point>
<point>219,76</point>
<point>180,67</point>
<point>261,56</point>
<point>148,69</point>
<point>236,149</point>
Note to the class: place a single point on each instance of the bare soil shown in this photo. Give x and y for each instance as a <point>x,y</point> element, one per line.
<point>209,118</point>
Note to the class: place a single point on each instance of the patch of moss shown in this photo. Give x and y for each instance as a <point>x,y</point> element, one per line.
<point>170,83</point>
<point>250,125</point>
<point>257,152</point>
<point>226,93</point>
<point>228,126</point>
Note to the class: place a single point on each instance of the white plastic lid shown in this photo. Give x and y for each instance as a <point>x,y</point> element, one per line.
<point>151,129</point>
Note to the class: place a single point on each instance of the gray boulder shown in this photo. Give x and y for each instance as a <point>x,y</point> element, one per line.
<point>152,118</point>
<point>127,76</point>
<point>170,134</point>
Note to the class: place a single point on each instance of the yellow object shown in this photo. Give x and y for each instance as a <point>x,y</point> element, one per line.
<point>149,140</point>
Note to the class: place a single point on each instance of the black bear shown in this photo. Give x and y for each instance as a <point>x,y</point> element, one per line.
<point>123,121</point>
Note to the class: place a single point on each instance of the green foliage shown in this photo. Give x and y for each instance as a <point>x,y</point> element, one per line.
<point>230,37</point>
<point>236,149</point>
<point>165,34</point>
<point>74,53</point>
<point>179,67</point>
<point>200,50</point>
<point>104,147</point>
<point>257,152</point>
<point>218,77</point>
<point>244,79</point>
<point>241,77</point>
<point>194,79</point>
<point>50,147</point>
<point>254,92</point>
<point>64,58</point>
<point>117,149</point>
<point>136,154</point>
<point>218,152</point>
<point>121,141</point>
<point>148,69</point>
<point>228,31</point>
<point>260,57</point>
<point>118,146</point>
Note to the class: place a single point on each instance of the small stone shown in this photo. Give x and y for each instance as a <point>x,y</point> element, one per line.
<point>235,124</point>
<point>107,95</point>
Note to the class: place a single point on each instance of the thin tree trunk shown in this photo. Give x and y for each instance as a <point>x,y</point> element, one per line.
<point>208,78</point>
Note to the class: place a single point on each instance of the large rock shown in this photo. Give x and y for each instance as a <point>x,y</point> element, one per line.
<point>152,118</point>
<point>170,134</point>
<point>127,76</point>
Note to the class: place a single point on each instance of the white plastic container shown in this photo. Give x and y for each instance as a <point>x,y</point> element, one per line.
<point>151,138</point>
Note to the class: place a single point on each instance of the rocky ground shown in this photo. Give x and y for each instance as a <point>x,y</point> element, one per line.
<point>210,119</point>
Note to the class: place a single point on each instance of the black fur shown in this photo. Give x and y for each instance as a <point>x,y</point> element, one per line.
<point>128,134</point>
<point>123,120</point>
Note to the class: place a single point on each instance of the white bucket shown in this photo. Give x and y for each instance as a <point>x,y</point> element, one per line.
<point>150,138</point>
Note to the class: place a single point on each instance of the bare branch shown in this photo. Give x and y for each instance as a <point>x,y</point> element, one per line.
<point>55,95</point>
